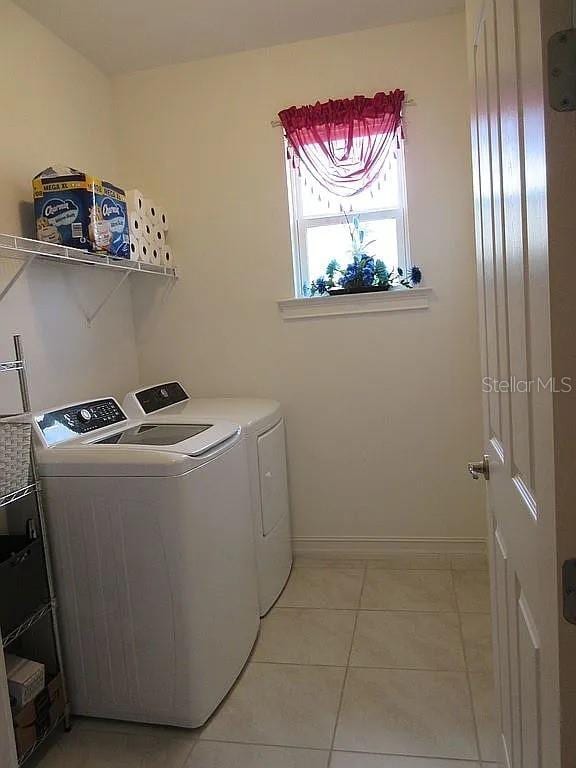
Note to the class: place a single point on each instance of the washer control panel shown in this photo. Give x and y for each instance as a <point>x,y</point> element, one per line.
<point>75,420</point>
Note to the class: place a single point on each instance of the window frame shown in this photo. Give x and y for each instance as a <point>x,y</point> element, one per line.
<point>299,224</point>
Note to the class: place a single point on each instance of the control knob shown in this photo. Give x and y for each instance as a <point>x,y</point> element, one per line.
<point>84,416</point>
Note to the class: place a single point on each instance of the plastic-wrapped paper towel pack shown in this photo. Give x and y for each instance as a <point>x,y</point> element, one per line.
<point>148,230</point>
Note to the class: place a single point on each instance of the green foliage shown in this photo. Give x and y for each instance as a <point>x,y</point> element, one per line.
<point>331,269</point>
<point>382,274</point>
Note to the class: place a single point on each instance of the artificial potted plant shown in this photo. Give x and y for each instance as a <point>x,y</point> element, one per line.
<point>364,273</point>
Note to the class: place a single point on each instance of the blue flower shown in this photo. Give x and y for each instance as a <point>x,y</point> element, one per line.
<point>359,273</point>
<point>415,275</point>
<point>368,272</point>
<point>351,275</point>
<point>321,286</point>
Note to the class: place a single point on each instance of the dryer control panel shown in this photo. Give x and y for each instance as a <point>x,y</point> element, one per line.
<point>79,419</point>
<point>161,396</point>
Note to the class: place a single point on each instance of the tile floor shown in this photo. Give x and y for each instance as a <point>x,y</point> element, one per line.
<point>362,664</point>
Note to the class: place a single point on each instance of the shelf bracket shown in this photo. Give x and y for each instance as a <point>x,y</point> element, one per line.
<point>17,275</point>
<point>91,317</point>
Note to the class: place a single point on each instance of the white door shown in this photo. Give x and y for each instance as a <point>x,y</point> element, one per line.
<point>527,314</point>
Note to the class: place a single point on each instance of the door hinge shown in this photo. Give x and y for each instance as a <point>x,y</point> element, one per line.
<point>569,590</point>
<point>562,70</point>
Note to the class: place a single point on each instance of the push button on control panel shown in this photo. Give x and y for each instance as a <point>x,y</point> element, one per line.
<point>95,415</point>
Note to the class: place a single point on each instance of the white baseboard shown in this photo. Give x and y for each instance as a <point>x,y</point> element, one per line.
<point>378,546</point>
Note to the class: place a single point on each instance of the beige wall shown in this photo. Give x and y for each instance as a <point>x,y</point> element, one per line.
<point>383,411</point>
<point>56,108</point>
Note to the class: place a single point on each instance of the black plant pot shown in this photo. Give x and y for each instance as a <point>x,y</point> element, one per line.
<point>358,289</point>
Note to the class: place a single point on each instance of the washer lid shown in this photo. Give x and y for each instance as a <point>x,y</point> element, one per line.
<point>182,437</point>
<point>170,400</point>
<point>155,434</point>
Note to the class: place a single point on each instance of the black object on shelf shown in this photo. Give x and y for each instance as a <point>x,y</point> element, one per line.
<point>358,289</point>
<point>23,583</point>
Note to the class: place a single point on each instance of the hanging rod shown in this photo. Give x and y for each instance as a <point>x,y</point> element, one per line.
<point>407,103</point>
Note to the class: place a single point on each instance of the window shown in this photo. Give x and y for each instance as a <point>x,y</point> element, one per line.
<point>320,230</point>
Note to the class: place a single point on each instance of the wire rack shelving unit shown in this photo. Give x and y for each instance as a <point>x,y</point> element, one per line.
<point>50,608</point>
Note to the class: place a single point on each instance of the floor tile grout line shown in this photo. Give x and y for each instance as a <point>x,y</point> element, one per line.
<point>395,570</point>
<point>469,682</point>
<point>300,664</point>
<point>341,699</point>
<point>263,744</point>
<point>186,760</point>
<point>473,761</point>
<point>452,670</point>
<point>375,610</point>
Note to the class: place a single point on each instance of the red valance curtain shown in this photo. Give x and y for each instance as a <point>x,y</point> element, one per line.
<point>344,144</point>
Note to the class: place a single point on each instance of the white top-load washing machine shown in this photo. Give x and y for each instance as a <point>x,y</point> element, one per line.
<point>263,429</point>
<point>151,527</point>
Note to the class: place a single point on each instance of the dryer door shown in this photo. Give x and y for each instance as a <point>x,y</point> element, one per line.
<point>273,476</point>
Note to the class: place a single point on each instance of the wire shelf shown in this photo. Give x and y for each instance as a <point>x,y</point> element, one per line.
<point>40,741</point>
<point>10,498</point>
<point>11,365</point>
<point>28,623</point>
<point>12,245</point>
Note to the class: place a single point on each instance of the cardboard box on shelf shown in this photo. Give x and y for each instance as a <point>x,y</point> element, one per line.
<point>38,716</point>
<point>25,679</point>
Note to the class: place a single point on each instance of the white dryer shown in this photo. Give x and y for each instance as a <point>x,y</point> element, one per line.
<point>152,533</point>
<point>263,430</point>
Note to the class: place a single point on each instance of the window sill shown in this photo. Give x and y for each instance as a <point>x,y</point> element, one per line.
<point>355,303</point>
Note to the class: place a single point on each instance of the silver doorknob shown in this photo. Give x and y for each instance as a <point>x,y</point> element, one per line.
<point>477,468</point>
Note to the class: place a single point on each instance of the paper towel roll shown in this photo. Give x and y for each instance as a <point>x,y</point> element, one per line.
<point>150,210</point>
<point>135,201</point>
<point>166,256</point>
<point>163,219</point>
<point>134,248</point>
<point>158,237</point>
<point>145,251</point>
<point>135,223</point>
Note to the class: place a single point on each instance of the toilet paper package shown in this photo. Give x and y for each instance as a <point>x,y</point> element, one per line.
<point>75,209</point>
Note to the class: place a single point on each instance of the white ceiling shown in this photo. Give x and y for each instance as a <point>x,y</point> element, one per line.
<point>127,35</point>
